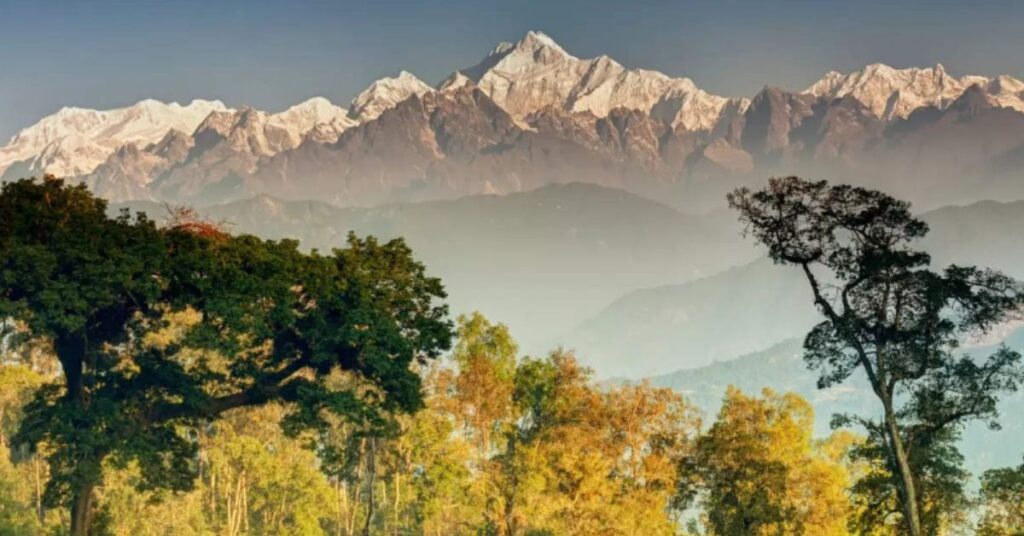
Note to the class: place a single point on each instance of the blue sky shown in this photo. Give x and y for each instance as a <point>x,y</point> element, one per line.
<point>271,54</point>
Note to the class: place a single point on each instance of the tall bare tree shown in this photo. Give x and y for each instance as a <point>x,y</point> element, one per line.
<point>888,314</point>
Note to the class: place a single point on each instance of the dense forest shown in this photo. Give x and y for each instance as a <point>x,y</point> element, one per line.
<point>176,379</point>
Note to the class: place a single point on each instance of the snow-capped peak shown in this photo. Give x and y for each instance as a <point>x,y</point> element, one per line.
<point>301,118</point>
<point>895,93</point>
<point>76,140</point>
<point>537,73</point>
<point>249,131</point>
<point>386,93</point>
<point>502,48</point>
<point>536,40</point>
<point>1006,91</point>
<point>455,81</point>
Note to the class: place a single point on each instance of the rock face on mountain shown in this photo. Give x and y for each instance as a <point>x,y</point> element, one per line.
<point>530,114</point>
<point>461,142</point>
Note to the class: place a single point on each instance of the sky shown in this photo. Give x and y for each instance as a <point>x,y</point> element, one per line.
<point>104,54</point>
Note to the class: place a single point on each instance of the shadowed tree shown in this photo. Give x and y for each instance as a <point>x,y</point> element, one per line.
<point>938,467</point>
<point>888,314</point>
<point>273,324</point>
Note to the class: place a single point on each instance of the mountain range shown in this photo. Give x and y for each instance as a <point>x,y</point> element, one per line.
<point>531,114</point>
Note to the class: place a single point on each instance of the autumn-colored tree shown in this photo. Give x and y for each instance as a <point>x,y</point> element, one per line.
<point>585,460</point>
<point>485,355</point>
<point>21,486</point>
<point>757,471</point>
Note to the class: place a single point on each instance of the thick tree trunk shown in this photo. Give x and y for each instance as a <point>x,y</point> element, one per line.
<point>82,510</point>
<point>908,489</point>
<point>71,351</point>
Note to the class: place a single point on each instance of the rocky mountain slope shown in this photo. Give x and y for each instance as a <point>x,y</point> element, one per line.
<point>531,114</point>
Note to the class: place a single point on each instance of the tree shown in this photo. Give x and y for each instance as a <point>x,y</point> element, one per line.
<point>21,510</point>
<point>580,459</point>
<point>939,470</point>
<point>758,470</point>
<point>273,324</point>
<point>887,314</point>
<point>1002,500</point>
<point>486,358</point>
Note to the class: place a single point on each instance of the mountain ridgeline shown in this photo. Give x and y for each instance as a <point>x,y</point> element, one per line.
<point>752,307</point>
<point>540,261</point>
<point>532,114</point>
<point>636,287</point>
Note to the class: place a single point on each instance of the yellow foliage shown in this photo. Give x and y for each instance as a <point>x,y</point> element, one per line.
<point>762,473</point>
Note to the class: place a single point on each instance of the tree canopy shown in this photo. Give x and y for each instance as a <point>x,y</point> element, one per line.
<point>271,324</point>
<point>888,314</point>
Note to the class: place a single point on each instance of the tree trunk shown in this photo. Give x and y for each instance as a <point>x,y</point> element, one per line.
<point>906,484</point>
<point>71,351</point>
<point>371,473</point>
<point>37,473</point>
<point>398,501</point>
<point>82,509</point>
<point>512,490</point>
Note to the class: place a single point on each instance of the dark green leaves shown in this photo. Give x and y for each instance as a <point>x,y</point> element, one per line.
<point>253,321</point>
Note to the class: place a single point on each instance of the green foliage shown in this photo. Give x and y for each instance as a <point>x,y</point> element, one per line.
<point>273,324</point>
<point>943,501</point>
<point>1002,500</point>
<point>218,384</point>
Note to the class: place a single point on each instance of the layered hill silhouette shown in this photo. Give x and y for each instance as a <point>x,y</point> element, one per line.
<point>755,306</point>
<point>540,261</point>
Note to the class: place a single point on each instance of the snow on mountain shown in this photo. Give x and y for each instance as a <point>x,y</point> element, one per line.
<point>76,140</point>
<point>537,73</point>
<point>894,93</point>
<point>1007,92</point>
<point>384,94</point>
<point>456,80</point>
<point>553,115</point>
<point>248,131</point>
<point>330,120</point>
